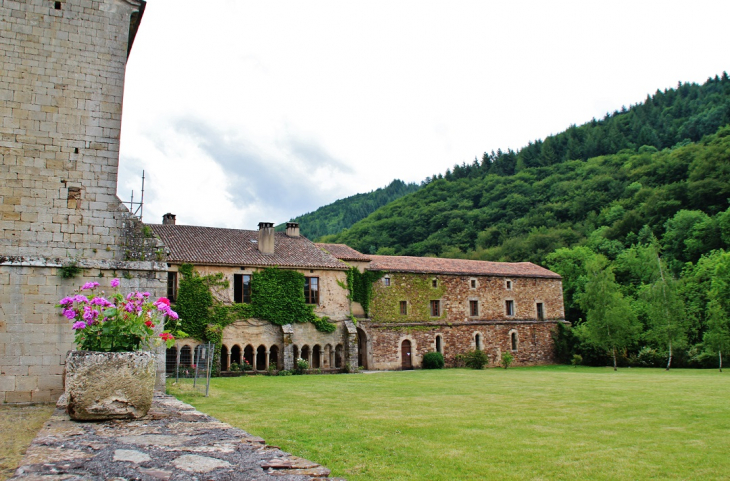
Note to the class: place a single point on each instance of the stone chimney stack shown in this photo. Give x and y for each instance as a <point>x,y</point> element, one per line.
<point>168,219</point>
<point>266,237</point>
<point>292,229</point>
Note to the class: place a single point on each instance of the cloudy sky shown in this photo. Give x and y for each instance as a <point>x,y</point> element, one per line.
<point>245,111</point>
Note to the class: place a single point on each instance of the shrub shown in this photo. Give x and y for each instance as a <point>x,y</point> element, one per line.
<point>507,359</point>
<point>285,373</point>
<point>234,367</point>
<point>433,360</point>
<point>301,366</point>
<point>272,370</point>
<point>577,360</point>
<point>476,359</point>
<point>246,366</point>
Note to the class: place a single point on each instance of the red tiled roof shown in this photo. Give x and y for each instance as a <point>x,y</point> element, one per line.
<point>435,265</point>
<point>344,252</point>
<point>215,246</point>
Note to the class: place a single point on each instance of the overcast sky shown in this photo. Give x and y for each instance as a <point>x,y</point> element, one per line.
<point>246,111</point>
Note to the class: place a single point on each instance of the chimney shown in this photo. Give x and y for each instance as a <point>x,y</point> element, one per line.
<point>292,229</point>
<point>266,237</point>
<point>168,219</point>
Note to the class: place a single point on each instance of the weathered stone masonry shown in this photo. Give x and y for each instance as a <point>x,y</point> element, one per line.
<point>61,84</point>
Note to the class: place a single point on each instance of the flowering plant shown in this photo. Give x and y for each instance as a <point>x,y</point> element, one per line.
<point>116,323</point>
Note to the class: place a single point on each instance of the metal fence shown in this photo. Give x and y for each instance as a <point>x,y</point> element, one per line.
<point>191,369</point>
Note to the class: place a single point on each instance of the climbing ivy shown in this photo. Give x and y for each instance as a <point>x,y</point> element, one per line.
<point>360,286</point>
<point>417,289</point>
<point>194,301</point>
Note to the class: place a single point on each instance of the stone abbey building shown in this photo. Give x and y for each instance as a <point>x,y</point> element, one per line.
<point>418,305</point>
<point>62,65</point>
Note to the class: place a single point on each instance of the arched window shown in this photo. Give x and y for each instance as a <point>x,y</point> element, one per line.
<point>316,350</point>
<point>248,355</point>
<point>274,357</point>
<point>295,352</point>
<point>171,360</point>
<point>513,340</point>
<point>338,356</point>
<point>236,354</point>
<point>260,358</point>
<point>478,341</point>
<point>224,358</point>
<point>439,347</point>
<point>185,356</point>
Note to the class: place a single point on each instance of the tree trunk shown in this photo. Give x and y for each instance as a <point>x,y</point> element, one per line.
<point>614,359</point>
<point>669,363</point>
<point>719,353</point>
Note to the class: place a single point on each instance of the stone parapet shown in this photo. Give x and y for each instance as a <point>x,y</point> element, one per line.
<point>174,441</point>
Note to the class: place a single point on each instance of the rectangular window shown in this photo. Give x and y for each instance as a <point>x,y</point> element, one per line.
<point>241,288</point>
<point>473,283</point>
<point>510,307</point>
<point>386,281</point>
<point>435,308</point>
<point>311,290</point>
<point>540,312</point>
<point>508,284</point>
<point>403,308</point>
<point>473,308</point>
<point>172,286</point>
<point>434,283</point>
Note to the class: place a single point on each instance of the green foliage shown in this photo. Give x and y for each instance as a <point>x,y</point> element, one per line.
<point>360,287</point>
<point>577,360</point>
<point>507,359</point>
<point>235,367</point>
<point>611,324</point>
<point>323,325</point>
<point>433,360</point>
<point>194,301</point>
<point>416,288</point>
<point>340,215</point>
<point>70,270</point>
<point>476,359</point>
<point>301,365</point>
<point>717,336</point>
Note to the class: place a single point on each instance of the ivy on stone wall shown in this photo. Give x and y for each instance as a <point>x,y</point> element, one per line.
<point>417,289</point>
<point>360,286</point>
<point>277,296</point>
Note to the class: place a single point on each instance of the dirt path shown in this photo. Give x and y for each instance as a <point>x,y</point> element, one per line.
<point>19,425</point>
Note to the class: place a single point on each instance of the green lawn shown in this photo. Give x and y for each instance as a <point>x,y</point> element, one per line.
<point>554,422</point>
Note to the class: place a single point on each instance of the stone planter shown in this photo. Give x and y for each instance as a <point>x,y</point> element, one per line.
<point>109,385</point>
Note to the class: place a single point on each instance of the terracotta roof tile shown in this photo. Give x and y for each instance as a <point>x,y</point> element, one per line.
<point>344,252</point>
<point>435,265</point>
<point>216,246</point>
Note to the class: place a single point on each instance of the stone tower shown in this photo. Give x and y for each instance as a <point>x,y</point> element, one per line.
<point>62,69</point>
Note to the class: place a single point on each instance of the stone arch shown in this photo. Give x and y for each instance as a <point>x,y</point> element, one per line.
<point>362,349</point>
<point>514,340</point>
<point>225,366</point>
<point>316,356</point>
<point>338,356</point>
<point>274,356</point>
<point>186,356</point>
<point>439,343</point>
<point>261,358</point>
<point>478,341</point>
<point>307,354</point>
<point>171,360</point>
<point>236,355</point>
<point>329,356</point>
<point>295,353</point>
<point>406,354</point>
<point>248,355</point>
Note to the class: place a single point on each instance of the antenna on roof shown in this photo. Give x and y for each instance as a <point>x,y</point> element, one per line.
<point>139,211</point>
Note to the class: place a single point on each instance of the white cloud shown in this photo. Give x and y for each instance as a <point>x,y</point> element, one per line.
<point>266,110</point>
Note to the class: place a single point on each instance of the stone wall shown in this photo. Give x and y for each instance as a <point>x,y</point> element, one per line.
<point>455,292</point>
<point>34,336</point>
<point>534,345</point>
<point>61,84</point>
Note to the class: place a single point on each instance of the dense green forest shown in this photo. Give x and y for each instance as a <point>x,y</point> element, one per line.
<point>630,205</point>
<point>340,215</point>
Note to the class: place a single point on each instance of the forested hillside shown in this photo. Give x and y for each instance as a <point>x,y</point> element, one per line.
<point>339,215</point>
<point>634,206</point>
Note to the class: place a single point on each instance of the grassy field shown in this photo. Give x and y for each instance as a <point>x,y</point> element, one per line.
<point>18,427</point>
<point>554,422</point>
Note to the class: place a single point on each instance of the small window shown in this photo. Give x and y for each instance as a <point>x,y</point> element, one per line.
<point>478,341</point>
<point>540,312</point>
<point>508,285</point>
<point>386,281</point>
<point>509,307</point>
<point>438,344</point>
<point>57,5</point>
<point>74,198</point>
<point>242,288</point>
<point>403,308</point>
<point>311,290</point>
<point>513,340</point>
<point>435,283</point>
<point>435,308</point>
<point>473,283</point>
<point>473,308</point>
<point>172,286</point>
